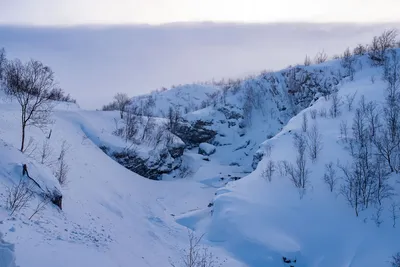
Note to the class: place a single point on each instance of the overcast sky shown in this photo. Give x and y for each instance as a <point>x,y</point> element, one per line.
<point>95,62</point>
<point>72,12</point>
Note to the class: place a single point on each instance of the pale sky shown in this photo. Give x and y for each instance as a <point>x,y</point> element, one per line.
<point>75,12</point>
<point>94,63</point>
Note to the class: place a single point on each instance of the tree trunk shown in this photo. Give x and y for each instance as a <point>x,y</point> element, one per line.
<point>23,137</point>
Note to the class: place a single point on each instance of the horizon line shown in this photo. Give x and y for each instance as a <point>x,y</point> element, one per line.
<point>190,23</point>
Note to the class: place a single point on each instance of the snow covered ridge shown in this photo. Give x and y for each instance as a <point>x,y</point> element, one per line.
<point>185,98</point>
<point>326,189</point>
<point>237,116</point>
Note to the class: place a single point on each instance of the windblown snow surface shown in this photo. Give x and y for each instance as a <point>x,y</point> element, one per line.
<point>113,217</point>
<point>259,222</point>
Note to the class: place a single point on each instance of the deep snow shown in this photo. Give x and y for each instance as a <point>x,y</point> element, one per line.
<point>113,217</point>
<point>110,216</point>
<point>260,222</point>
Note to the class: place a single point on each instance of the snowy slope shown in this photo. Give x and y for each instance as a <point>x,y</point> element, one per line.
<point>260,222</point>
<point>110,216</point>
<point>186,98</point>
<point>114,217</point>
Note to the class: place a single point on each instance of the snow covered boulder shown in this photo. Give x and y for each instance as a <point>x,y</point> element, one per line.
<point>15,166</point>
<point>7,257</point>
<point>206,149</point>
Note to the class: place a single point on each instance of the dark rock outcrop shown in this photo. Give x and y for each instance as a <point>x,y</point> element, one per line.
<point>195,133</point>
<point>151,167</point>
<point>176,150</point>
<point>257,157</point>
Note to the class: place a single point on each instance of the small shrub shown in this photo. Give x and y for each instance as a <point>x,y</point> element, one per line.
<point>330,177</point>
<point>196,255</point>
<point>269,170</point>
<point>322,112</point>
<point>313,114</point>
<point>18,196</point>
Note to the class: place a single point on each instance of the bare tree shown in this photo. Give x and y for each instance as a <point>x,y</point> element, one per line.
<point>394,213</point>
<point>359,50</point>
<point>30,84</point>
<point>380,44</point>
<point>336,102</point>
<point>269,170</point>
<point>350,188</point>
<point>350,100</point>
<point>330,177</point>
<point>196,255</point>
<point>298,173</point>
<point>344,131</point>
<point>62,168</point>
<point>314,142</point>
<point>281,167</point>
<point>387,148</point>
<point>387,141</point>
<point>366,179</point>
<point>46,153</point>
<point>19,196</point>
<point>373,119</point>
<point>313,114</point>
<point>304,123</point>
<point>320,57</point>
<point>322,112</point>
<point>173,117</point>
<point>377,217</point>
<point>348,63</point>
<point>392,104</point>
<point>383,189</point>
<point>122,101</point>
<point>131,125</point>
<point>307,61</point>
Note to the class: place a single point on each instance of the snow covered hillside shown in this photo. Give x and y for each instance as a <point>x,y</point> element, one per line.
<point>185,98</point>
<point>111,216</point>
<point>292,168</point>
<point>266,219</point>
<point>243,113</point>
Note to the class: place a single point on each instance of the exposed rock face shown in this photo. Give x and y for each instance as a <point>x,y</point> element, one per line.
<point>56,198</point>
<point>206,149</point>
<point>230,114</point>
<point>151,166</point>
<point>176,150</point>
<point>257,157</point>
<point>196,133</point>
